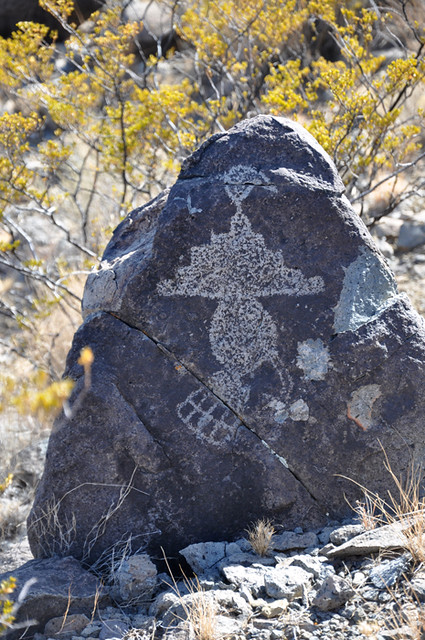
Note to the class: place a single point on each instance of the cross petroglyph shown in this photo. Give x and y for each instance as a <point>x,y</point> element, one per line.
<point>236,269</point>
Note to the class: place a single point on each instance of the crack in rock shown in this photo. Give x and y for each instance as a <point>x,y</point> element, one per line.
<point>172,356</point>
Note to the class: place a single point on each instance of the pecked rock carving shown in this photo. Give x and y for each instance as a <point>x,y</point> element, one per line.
<point>251,349</point>
<point>236,268</point>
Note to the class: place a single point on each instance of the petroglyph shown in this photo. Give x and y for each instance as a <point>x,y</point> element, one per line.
<point>313,359</point>
<point>359,409</point>
<point>236,268</point>
<point>207,418</point>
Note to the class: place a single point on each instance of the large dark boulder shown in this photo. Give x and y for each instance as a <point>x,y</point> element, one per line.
<point>250,350</point>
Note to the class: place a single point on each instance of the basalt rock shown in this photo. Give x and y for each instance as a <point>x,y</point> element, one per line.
<point>251,353</point>
<point>53,587</point>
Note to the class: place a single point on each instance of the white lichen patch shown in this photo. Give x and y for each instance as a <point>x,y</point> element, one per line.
<point>280,410</point>
<point>299,411</point>
<point>313,359</point>
<point>359,409</point>
<point>236,268</point>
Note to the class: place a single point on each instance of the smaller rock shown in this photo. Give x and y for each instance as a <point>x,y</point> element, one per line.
<point>226,627</point>
<point>243,544</point>
<point>66,626</point>
<point>386,573</point>
<point>250,577</point>
<point>233,604</point>
<point>326,549</point>
<point>388,537</point>
<point>345,533</point>
<point>290,540</point>
<point>333,593</point>
<point>181,631</point>
<point>113,629</point>
<point>312,564</point>
<point>136,577</point>
<point>140,621</point>
<point>359,578</point>
<point>384,247</point>
<point>203,556</point>
<point>370,594</point>
<point>92,630</point>
<point>286,582</point>
<point>417,585</point>
<point>324,534</point>
<point>411,235</point>
<point>401,633</point>
<point>244,560</point>
<point>275,609</point>
<point>55,586</point>
<point>210,604</point>
<point>359,614</point>
<point>388,227</point>
<point>27,465</point>
<point>263,623</point>
<point>163,603</point>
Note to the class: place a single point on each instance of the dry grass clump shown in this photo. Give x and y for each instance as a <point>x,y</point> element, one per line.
<point>201,612</point>
<point>406,506</point>
<point>411,624</point>
<point>366,511</point>
<point>260,536</point>
<point>199,608</point>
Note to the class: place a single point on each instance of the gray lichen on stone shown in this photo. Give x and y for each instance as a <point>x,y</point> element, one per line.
<point>299,411</point>
<point>367,290</point>
<point>281,412</point>
<point>313,359</point>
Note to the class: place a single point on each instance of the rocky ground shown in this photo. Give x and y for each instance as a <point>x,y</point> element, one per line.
<point>340,582</point>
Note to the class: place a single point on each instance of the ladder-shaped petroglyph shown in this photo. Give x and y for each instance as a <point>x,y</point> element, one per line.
<point>208,418</point>
<point>236,269</point>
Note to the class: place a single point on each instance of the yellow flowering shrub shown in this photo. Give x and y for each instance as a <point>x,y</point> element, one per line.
<point>85,141</point>
<point>6,605</point>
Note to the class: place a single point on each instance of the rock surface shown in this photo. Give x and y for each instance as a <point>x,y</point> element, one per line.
<point>251,353</point>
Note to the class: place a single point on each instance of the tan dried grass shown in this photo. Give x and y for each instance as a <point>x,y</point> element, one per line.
<point>260,536</point>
